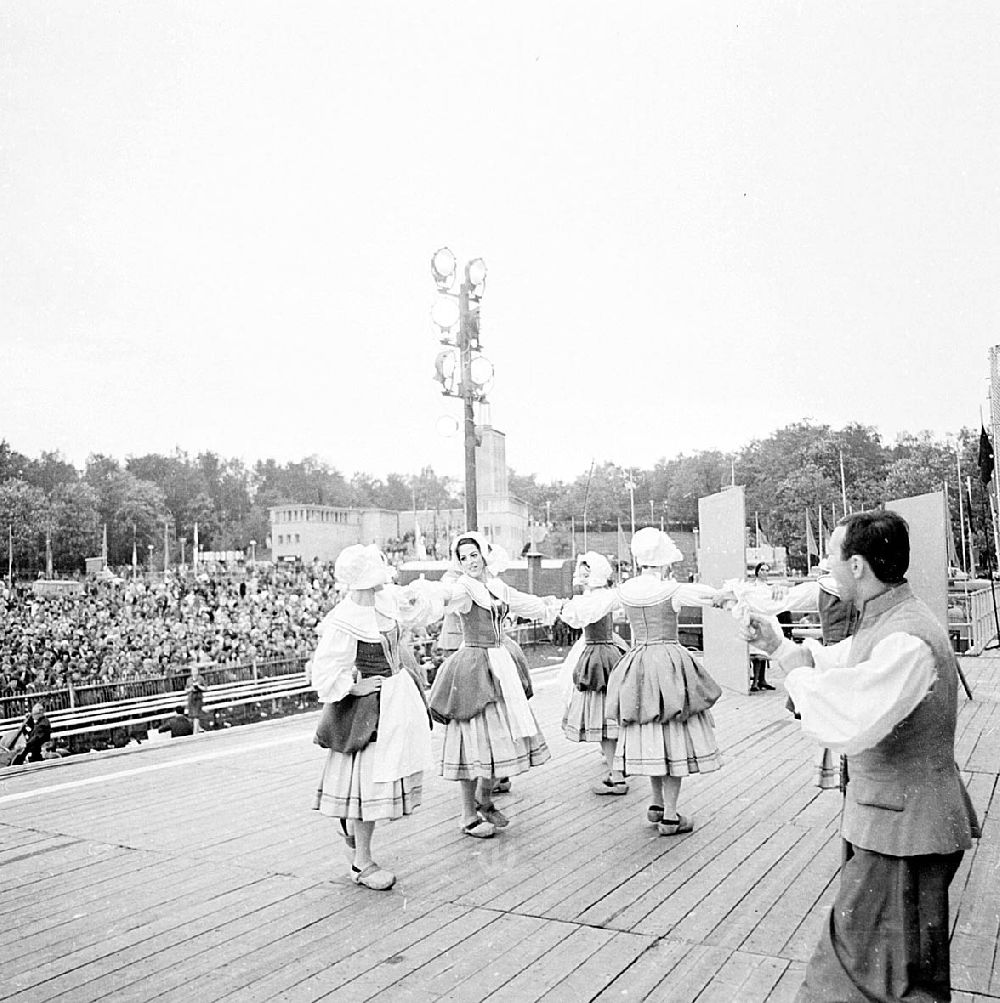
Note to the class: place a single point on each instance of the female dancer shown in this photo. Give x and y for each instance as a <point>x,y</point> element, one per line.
<point>659,695</point>
<point>374,721</point>
<point>490,731</point>
<point>593,657</point>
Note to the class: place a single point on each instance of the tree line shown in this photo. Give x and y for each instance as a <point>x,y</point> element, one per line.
<point>796,468</point>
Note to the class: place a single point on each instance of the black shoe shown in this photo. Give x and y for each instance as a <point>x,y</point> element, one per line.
<point>765,686</point>
<point>754,688</point>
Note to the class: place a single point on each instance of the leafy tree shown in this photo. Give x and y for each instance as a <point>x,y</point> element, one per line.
<point>76,525</point>
<point>24,516</point>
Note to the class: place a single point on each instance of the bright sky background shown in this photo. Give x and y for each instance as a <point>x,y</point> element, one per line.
<point>701,222</point>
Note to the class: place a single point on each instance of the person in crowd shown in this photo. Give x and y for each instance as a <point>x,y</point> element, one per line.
<point>178,724</point>
<point>195,691</point>
<point>38,731</point>
<point>886,696</point>
<point>591,663</point>
<point>490,730</point>
<point>758,660</point>
<point>374,723</point>
<point>660,697</point>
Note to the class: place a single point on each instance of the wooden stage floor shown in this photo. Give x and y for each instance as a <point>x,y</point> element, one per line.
<point>196,870</point>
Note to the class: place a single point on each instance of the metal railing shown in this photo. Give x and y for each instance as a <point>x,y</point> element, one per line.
<point>91,694</point>
<point>982,619</point>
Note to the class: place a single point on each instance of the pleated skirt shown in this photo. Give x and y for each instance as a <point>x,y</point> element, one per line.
<point>672,748</point>
<point>585,720</point>
<point>483,746</point>
<point>349,791</point>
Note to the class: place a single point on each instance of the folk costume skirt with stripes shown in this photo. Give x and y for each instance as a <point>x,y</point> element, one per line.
<point>489,728</point>
<point>660,697</point>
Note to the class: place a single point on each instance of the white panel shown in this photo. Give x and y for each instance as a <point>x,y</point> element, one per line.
<point>721,556</point>
<point>928,574</point>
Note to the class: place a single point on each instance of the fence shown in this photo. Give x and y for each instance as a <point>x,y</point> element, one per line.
<point>93,694</point>
<point>983,620</point>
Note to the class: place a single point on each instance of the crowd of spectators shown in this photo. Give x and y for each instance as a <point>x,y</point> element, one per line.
<point>121,630</point>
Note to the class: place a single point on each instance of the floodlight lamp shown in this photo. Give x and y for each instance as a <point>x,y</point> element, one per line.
<point>443,266</point>
<point>475,271</point>
<point>481,370</point>
<point>447,426</point>
<point>445,366</point>
<point>445,313</point>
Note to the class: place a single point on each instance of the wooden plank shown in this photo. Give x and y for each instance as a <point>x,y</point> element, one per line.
<point>744,977</point>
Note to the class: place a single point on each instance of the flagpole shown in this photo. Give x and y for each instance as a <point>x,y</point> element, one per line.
<point>961,510</point>
<point>843,483</point>
<point>10,555</point>
<point>972,551</point>
<point>586,498</point>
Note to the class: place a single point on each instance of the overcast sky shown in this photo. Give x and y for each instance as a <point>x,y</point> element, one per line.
<point>701,222</point>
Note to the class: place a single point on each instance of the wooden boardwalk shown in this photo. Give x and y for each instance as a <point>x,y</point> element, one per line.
<point>195,870</point>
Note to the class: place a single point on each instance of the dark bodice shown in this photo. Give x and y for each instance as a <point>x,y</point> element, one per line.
<point>483,628</point>
<point>600,631</point>
<point>379,658</point>
<point>653,624</point>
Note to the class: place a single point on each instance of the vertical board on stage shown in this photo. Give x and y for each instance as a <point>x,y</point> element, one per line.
<point>927,516</point>
<point>722,556</point>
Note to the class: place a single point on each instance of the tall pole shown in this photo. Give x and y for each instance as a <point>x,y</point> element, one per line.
<point>843,484</point>
<point>468,390</point>
<point>961,509</point>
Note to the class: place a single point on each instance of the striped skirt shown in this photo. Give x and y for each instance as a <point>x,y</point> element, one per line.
<point>349,791</point>
<point>584,720</point>
<point>483,746</point>
<point>672,748</point>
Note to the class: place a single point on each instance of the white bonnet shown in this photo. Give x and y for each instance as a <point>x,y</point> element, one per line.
<point>599,569</point>
<point>361,567</point>
<point>652,548</point>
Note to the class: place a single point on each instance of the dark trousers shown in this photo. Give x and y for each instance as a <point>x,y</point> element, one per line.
<point>886,938</point>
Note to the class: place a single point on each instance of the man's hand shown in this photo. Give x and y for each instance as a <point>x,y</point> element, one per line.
<point>760,632</point>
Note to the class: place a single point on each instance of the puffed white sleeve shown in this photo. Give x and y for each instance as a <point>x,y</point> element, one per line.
<point>333,665</point>
<point>693,594</point>
<point>850,708</point>
<point>542,608</point>
<point>438,597</point>
<point>581,610</point>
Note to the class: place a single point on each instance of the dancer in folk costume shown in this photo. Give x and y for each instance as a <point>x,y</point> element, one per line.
<point>375,722</point>
<point>490,730</point>
<point>659,695</point>
<point>592,659</point>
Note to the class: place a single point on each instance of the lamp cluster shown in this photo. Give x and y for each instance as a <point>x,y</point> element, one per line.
<point>460,368</point>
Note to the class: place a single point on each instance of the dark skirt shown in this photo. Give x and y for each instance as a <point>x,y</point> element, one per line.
<point>597,660</point>
<point>464,686</point>
<point>659,682</point>
<point>886,938</point>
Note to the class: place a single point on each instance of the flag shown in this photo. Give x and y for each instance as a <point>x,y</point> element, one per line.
<point>811,547</point>
<point>824,537</point>
<point>419,546</point>
<point>194,556</point>
<point>135,560</point>
<point>985,457</point>
<point>622,548</point>
<point>104,548</point>
<point>48,554</point>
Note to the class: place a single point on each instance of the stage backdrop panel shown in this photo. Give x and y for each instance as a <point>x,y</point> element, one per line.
<point>721,556</point>
<point>927,516</point>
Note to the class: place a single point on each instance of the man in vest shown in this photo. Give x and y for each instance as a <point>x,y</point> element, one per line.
<point>886,696</point>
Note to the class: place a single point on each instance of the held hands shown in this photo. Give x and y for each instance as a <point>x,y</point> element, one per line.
<point>760,632</point>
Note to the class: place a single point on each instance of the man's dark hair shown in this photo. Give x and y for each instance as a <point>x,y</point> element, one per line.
<point>882,539</point>
<point>179,710</point>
